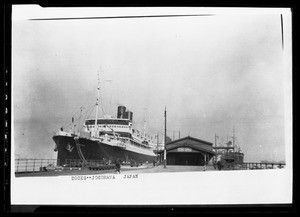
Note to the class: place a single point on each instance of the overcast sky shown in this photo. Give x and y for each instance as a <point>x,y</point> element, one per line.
<point>213,73</point>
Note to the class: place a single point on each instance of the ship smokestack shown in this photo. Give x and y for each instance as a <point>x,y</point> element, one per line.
<point>129,115</point>
<point>121,112</point>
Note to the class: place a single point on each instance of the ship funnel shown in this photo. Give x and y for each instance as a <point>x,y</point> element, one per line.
<point>121,112</point>
<point>129,115</point>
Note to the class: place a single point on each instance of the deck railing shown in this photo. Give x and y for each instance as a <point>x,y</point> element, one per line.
<point>251,166</point>
<point>24,165</point>
<point>79,163</point>
<point>255,166</point>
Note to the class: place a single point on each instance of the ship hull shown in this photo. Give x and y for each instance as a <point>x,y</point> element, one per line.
<point>94,150</point>
<point>237,158</point>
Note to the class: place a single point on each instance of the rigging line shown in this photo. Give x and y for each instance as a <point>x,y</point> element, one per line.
<point>87,110</point>
<point>123,17</point>
<point>91,112</point>
<point>75,120</point>
<point>102,107</point>
<point>74,111</point>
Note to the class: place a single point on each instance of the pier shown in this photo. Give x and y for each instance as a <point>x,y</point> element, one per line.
<point>254,166</point>
<point>48,167</point>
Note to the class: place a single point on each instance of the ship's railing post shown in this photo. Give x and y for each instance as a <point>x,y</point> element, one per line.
<point>33,164</point>
<point>41,163</point>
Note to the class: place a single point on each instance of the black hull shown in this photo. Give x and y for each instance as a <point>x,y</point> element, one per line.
<point>92,150</point>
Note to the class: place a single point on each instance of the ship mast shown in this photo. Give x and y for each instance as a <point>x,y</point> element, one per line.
<point>144,127</point>
<point>97,105</point>
<point>233,138</point>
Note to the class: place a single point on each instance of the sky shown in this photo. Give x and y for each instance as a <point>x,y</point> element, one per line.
<point>212,73</point>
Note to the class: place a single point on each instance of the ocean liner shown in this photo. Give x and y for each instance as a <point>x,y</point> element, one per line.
<point>106,139</point>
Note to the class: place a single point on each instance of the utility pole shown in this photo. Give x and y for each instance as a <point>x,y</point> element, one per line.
<point>215,158</point>
<point>157,141</point>
<point>165,151</point>
<point>215,140</point>
<point>157,146</point>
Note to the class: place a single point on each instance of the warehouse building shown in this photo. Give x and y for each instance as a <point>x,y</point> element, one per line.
<point>187,151</point>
